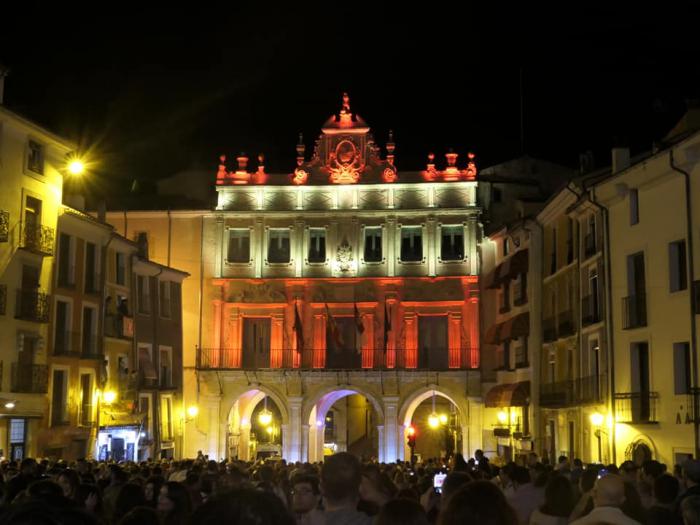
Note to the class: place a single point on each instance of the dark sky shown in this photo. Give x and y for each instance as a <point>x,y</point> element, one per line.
<point>153,92</point>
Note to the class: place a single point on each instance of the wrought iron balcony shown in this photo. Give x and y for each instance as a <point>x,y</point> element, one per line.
<point>636,407</point>
<point>32,305</point>
<point>591,389</point>
<point>549,330</point>
<point>37,238</point>
<point>634,311</point>
<point>310,359</point>
<point>66,344</point>
<point>590,247</point>
<point>29,379</point>
<point>90,347</point>
<point>590,310</point>
<point>4,226</point>
<point>557,395</point>
<point>566,325</point>
<point>119,326</point>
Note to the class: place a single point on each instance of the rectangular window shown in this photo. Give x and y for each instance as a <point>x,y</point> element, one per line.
<point>143,294</point>
<point>681,368</point>
<point>317,245</point>
<point>239,245</point>
<point>65,264</point>
<point>35,157</point>
<point>411,243</point>
<point>145,409</point>
<point>166,410</point>
<point>677,268</point>
<point>634,206</point>
<point>452,243</point>
<point>164,299</point>
<point>373,244</point>
<point>121,269</point>
<point>89,334</point>
<point>166,368</point>
<point>91,278</point>
<point>62,328</point>
<point>278,250</point>
<point>59,414</point>
<point>85,400</point>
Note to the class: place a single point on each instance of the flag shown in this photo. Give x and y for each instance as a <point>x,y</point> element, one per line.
<point>360,329</point>
<point>298,330</point>
<point>387,326</point>
<point>332,328</point>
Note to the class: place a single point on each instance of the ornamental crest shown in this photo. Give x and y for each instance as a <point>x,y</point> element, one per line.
<point>345,164</point>
<point>344,256</point>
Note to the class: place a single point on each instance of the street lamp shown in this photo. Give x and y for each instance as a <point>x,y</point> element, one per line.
<point>265,416</point>
<point>502,417</point>
<point>597,420</point>
<point>192,411</point>
<point>109,397</point>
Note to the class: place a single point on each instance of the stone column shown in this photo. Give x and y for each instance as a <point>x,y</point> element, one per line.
<point>257,246</point>
<point>294,450</point>
<point>220,244</point>
<point>305,443</point>
<point>244,442</point>
<point>286,441</point>
<point>211,406</point>
<point>390,430</point>
<point>380,440</point>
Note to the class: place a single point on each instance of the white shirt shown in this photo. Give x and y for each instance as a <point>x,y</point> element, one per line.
<point>611,515</point>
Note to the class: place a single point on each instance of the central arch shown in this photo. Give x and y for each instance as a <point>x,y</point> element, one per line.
<point>316,410</point>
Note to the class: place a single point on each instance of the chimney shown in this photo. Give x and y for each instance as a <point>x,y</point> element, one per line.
<point>620,159</point>
<point>102,211</point>
<point>3,73</point>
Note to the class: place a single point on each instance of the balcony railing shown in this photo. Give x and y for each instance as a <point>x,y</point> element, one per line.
<point>636,407</point>
<point>580,391</point>
<point>634,311</point>
<point>549,330</point>
<point>32,305</point>
<point>119,326</point>
<point>3,299</point>
<point>589,245</point>
<point>66,344</point>
<point>90,347</point>
<point>590,310</point>
<point>309,359</point>
<point>37,238</point>
<point>4,226</point>
<point>566,325</point>
<point>29,379</point>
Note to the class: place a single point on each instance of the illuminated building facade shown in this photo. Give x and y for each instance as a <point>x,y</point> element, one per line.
<point>343,277</point>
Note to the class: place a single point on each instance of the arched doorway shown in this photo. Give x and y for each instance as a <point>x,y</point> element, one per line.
<point>257,423</point>
<point>439,423</point>
<point>345,420</point>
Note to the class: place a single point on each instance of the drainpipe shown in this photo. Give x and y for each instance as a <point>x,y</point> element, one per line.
<point>691,272</point>
<point>608,319</point>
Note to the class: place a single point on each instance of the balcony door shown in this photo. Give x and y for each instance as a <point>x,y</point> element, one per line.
<point>341,347</point>
<point>432,342</point>
<point>641,408</point>
<point>636,279</point>
<point>256,342</point>
<point>32,214</point>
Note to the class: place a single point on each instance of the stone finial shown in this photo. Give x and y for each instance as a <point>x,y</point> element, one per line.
<point>301,150</point>
<point>390,145</point>
<point>242,160</point>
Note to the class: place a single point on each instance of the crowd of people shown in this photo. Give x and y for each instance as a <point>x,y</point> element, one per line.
<point>344,491</point>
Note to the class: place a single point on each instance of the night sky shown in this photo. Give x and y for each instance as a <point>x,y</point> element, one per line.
<point>151,93</point>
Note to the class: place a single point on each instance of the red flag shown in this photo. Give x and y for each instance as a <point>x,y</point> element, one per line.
<point>387,326</point>
<point>360,328</point>
<point>333,330</point>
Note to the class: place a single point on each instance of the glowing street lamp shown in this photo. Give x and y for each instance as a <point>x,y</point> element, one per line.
<point>109,397</point>
<point>443,419</point>
<point>265,416</point>
<point>502,417</point>
<point>76,167</point>
<point>192,411</point>
<point>433,420</point>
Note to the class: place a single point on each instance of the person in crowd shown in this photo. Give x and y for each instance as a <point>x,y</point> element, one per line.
<point>140,516</point>
<point>525,497</point>
<point>69,481</point>
<point>608,498</point>
<point>376,489</point>
<point>663,510</point>
<point>453,482</point>
<point>476,503</point>
<point>691,479</point>
<point>245,507</point>
<point>130,496</point>
<point>690,510</point>
<point>402,512</point>
<point>174,504</point>
<point>633,506</point>
<point>585,501</point>
<point>558,503</point>
<point>28,473</point>
<point>341,475</point>
<point>151,490</point>
<point>306,500</point>
<point>90,499</point>
<point>481,461</point>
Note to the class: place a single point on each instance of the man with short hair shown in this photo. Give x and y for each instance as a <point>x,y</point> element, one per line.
<point>608,497</point>
<point>525,497</point>
<point>691,480</point>
<point>663,510</point>
<point>341,475</point>
<point>306,497</point>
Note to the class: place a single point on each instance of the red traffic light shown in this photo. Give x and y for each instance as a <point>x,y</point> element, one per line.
<point>411,430</point>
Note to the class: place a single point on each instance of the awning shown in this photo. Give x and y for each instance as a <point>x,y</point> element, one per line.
<point>509,395</point>
<point>515,327</point>
<point>509,269</point>
<point>112,419</point>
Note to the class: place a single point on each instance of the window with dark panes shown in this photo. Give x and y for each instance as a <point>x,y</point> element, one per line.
<point>278,247</point>
<point>317,245</point>
<point>373,244</point>
<point>35,157</point>
<point>411,243</point>
<point>452,243</point>
<point>239,245</point>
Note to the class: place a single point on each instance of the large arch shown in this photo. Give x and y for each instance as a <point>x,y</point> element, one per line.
<point>411,403</point>
<point>314,413</point>
<point>242,405</point>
